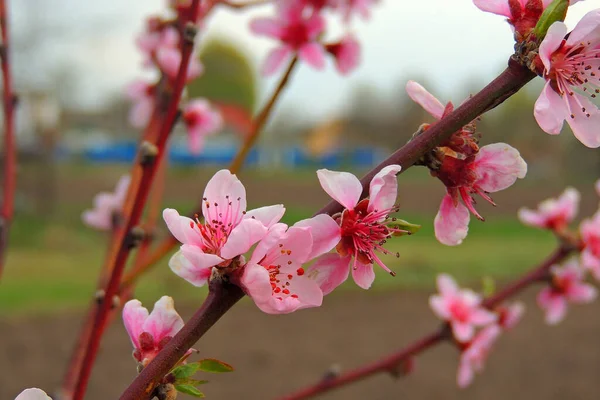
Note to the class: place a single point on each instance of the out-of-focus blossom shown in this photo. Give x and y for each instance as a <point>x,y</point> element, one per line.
<point>460,307</point>
<point>150,333</point>
<point>141,93</point>
<point>168,56</point>
<point>510,315</point>
<point>275,278</point>
<point>466,169</point>
<point>348,8</point>
<point>346,53</point>
<point>200,120</point>
<point>297,28</point>
<point>365,225</point>
<point>553,214</point>
<point>590,236</point>
<point>570,67</point>
<point>474,356</point>
<point>228,230</point>
<point>107,206</point>
<point>567,286</point>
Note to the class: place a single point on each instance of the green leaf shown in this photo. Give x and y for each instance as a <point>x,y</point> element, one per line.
<point>556,11</point>
<point>216,366</point>
<point>185,370</point>
<point>190,381</point>
<point>189,389</point>
<point>406,227</point>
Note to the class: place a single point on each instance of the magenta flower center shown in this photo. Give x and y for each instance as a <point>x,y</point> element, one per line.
<point>365,232</point>
<point>220,219</point>
<point>460,311</point>
<point>280,281</point>
<point>577,66</point>
<point>296,34</point>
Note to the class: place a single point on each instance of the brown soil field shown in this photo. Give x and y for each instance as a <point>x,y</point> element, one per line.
<point>276,354</point>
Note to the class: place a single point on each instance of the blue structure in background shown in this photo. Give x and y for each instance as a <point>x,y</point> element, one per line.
<point>223,154</point>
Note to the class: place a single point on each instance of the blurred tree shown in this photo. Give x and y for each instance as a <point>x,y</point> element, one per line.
<point>228,76</point>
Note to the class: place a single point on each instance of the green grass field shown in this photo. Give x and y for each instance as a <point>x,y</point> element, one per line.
<point>52,263</point>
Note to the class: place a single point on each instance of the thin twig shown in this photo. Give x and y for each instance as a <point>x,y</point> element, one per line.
<point>391,362</point>
<point>10,150</point>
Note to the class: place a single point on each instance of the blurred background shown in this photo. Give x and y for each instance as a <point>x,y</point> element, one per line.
<point>72,60</point>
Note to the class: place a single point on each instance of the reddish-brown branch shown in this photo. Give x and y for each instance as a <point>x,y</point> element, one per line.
<point>391,362</point>
<point>10,150</point>
<point>506,84</point>
<point>144,171</point>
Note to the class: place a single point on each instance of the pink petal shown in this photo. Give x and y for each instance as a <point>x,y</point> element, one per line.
<point>168,60</point>
<point>462,332</point>
<point>198,258</point>
<point>582,293</point>
<point>498,166</point>
<point>222,189</point>
<point>275,235</point>
<point>550,110</point>
<point>97,219</point>
<point>330,271</point>
<point>513,315</point>
<point>184,268</point>
<point>137,90</point>
<point>140,112</point>
<point>256,283</point>
<point>482,317</point>
<point>313,54</point>
<point>531,218</point>
<point>267,27</point>
<point>182,228</point>
<point>163,321</point>
<point>343,187</point>
<point>451,223</point>
<point>308,291</point>
<point>268,215</point>
<point>552,41</point>
<point>425,99</point>
<point>587,29</point>
<point>243,237</point>
<point>33,394</point>
<point>446,285</point>
<point>554,305</point>
<point>325,232</point>
<point>439,305</point>
<point>363,275</point>
<point>465,374</point>
<point>275,59</point>
<point>499,7</point>
<point>348,55</point>
<point>314,26</point>
<point>384,189</point>
<point>585,128</point>
<point>134,316</point>
<point>591,263</point>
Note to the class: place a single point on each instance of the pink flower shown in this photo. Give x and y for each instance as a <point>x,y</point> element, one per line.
<point>228,230</point>
<point>473,357</point>
<point>466,169</point>
<point>364,226</point>
<point>570,67</point>
<point>33,394</point>
<point>107,206</point>
<point>567,286</point>
<point>142,95</point>
<point>460,307</point>
<point>495,167</point>
<point>298,29</point>
<point>150,333</point>
<point>553,214</point>
<point>510,315</point>
<point>274,277</point>
<point>200,120</point>
<point>360,7</point>
<point>168,56</point>
<point>590,236</point>
<point>597,187</point>
<point>346,53</point>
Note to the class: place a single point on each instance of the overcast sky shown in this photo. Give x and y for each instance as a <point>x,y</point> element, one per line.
<point>90,44</point>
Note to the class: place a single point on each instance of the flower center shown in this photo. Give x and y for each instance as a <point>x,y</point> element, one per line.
<point>364,232</point>
<point>460,311</point>
<point>220,219</point>
<point>280,281</point>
